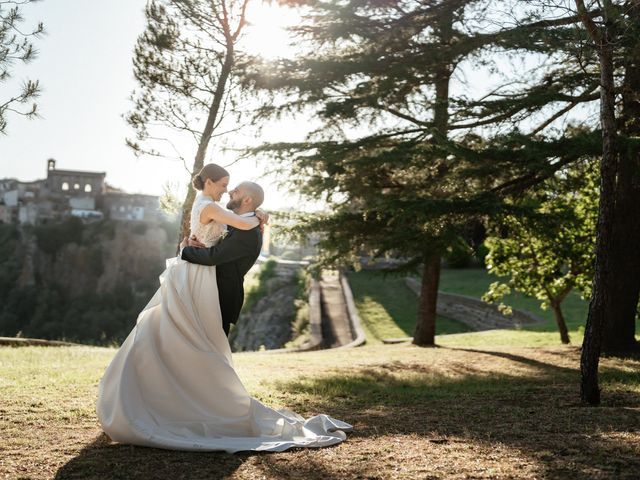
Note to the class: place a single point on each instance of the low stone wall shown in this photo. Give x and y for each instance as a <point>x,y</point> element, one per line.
<point>357,331</point>
<point>477,314</point>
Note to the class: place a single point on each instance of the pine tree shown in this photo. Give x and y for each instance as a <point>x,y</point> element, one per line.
<point>616,284</point>
<point>412,164</point>
<point>186,67</point>
<point>620,326</point>
<point>17,46</point>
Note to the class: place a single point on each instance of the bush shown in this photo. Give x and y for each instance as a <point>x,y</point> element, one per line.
<point>459,255</point>
<point>267,271</point>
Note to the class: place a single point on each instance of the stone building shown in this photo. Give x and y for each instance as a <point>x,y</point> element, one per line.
<point>76,193</point>
<point>6,213</point>
<point>125,206</point>
<point>73,182</point>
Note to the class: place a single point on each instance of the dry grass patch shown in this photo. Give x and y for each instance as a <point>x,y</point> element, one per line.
<point>418,413</point>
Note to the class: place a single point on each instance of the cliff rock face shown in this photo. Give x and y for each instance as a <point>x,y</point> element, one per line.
<point>268,323</point>
<point>102,257</point>
<point>88,282</point>
<point>137,258</point>
<point>77,281</point>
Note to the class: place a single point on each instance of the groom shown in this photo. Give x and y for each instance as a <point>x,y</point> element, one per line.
<point>234,255</point>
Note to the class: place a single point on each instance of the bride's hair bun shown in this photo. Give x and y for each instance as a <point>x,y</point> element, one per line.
<point>211,171</point>
<point>198,182</point>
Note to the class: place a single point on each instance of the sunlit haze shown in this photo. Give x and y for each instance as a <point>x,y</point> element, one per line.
<point>266,30</point>
<point>85,70</point>
<point>86,73</point>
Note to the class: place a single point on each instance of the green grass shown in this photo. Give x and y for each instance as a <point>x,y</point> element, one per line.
<point>418,413</point>
<point>388,308</point>
<point>482,405</point>
<point>76,369</point>
<point>475,282</point>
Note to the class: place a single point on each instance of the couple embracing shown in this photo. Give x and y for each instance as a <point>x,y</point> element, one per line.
<point>172,383</point>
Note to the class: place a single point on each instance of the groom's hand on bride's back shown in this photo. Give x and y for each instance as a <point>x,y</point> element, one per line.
<point>191,242</point>
<point>194,242</point>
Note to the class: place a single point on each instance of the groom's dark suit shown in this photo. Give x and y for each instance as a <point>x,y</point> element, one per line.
<point>233,258</point>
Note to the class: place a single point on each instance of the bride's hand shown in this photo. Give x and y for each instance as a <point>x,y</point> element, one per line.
<point>263,217</point>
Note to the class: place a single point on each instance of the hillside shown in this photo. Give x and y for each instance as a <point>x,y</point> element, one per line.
<point>76,281</point>
<point>388,309</point>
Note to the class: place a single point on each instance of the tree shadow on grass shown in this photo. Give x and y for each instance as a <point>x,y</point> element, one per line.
<point>543,367</point>
<point>105,460</point>
<point>533,410</point>
<point>515,404</point>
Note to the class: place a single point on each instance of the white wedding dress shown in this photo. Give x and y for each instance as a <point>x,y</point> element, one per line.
<point>172,383</point>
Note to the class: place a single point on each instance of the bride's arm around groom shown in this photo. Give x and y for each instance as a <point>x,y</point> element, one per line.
<point>238,244</point>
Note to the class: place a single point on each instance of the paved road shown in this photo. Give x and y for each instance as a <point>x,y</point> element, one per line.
<point>336,330</point>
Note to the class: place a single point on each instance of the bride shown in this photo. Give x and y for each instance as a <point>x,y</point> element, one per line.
<point>172,383</point>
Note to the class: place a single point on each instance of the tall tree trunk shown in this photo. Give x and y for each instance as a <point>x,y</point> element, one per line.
<point>562,326</point>
<point>425,333</point>
<point>600,304</point>
<point>619,337</point>
<point>426,322</point>
<point>210,125</point>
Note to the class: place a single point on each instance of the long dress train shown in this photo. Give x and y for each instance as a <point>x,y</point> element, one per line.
<point>172,383</point>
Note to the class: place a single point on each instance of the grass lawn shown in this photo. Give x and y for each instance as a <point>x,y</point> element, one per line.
<point>388,309</point>
<point>501,404</point>
<point>449,412</point>
<point>475,282</point>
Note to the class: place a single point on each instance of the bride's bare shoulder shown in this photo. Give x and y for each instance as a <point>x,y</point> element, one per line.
<point>209,212</point>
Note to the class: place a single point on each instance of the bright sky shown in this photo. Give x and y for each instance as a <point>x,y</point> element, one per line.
<point>85,70</point>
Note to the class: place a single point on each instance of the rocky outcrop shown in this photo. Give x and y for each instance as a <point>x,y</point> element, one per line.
<point>268,324</point>
<point>85,282</point>
<point>136,256</point>
<point>102,257</point>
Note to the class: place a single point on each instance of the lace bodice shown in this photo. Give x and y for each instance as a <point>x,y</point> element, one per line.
<point>209,233</point>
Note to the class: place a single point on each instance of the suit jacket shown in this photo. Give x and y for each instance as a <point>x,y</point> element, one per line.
<point>233,257</point>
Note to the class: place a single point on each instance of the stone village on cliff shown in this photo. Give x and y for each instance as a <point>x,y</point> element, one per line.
<point>66,193</point>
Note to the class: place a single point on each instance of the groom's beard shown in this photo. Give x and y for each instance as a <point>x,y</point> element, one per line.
<point>233,204</point>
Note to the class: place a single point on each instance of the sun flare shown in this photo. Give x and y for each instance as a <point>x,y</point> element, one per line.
<point>266,32</point>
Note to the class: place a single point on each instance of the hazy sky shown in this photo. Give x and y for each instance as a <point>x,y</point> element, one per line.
<point>85,70</point>
<point>84,66</point>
